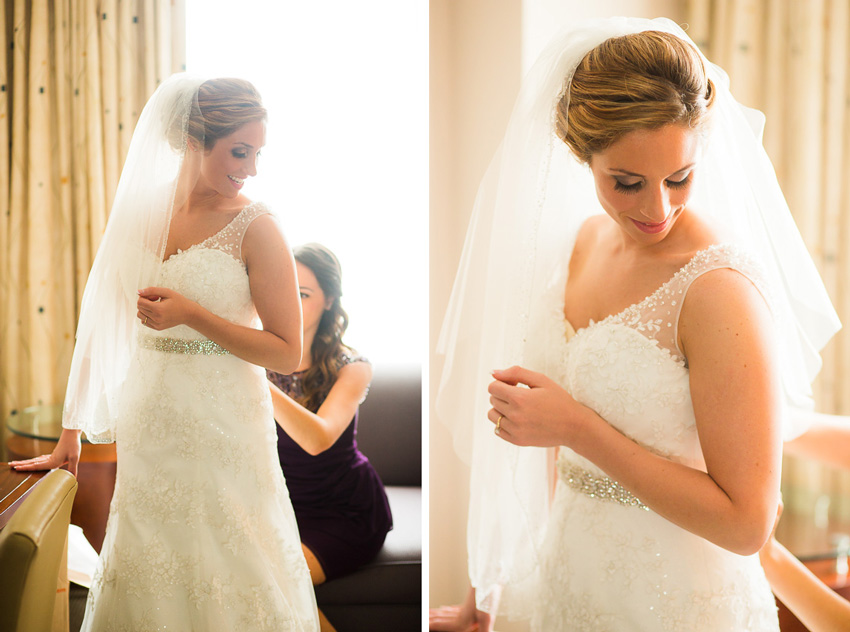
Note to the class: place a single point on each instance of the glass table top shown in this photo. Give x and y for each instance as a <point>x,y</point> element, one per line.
<point>37,422</point>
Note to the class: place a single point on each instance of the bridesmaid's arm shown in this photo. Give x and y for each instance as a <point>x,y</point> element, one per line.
<point>726,333</point>
<point>827,439</point>
<point>316,432</point>
<point>818,607</point>
<point>274,290</point>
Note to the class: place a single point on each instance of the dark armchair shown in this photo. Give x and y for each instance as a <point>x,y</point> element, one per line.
<point>387,593</point>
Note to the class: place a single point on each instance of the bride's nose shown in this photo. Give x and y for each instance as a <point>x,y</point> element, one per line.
<point>252,167</point>
<point>657,204</point>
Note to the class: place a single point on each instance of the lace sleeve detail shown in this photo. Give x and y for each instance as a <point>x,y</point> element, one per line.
<point>657,316</point>
<point>229,239</point>
<point>714,258</point>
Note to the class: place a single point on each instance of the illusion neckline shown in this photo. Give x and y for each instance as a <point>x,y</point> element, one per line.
<point>636,305</point>
<point>201,244</point>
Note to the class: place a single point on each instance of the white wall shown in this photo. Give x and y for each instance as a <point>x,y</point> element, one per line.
<point>542,19</point>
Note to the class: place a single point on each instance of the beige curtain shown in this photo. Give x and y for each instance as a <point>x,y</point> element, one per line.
<point>791,59</point>
<point>72,84</point>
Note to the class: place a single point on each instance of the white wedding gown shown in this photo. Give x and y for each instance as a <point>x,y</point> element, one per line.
<point>201,533</point>
<point>609,563</point>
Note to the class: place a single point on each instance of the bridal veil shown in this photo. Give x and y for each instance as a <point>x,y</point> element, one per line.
<point>154,181</point>
<point>530,205</point>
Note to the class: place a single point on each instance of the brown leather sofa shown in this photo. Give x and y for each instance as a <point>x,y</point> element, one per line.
<point>387,593</point>
<point>32,547</point>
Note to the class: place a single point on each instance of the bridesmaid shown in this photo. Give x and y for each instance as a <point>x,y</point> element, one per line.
<point>339,500</point>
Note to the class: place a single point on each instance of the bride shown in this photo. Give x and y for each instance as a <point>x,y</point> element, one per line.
<point>632,256</point>
<point>192,292</point>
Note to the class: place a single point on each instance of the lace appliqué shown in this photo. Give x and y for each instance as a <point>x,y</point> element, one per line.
<point>201,533</point>
<point>606,567</point>
<point>657,315</point>
<point>229,239</point>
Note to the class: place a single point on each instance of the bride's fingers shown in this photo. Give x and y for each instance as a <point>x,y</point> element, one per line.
<point>43,462</point>
<point>499,420</point>
<point>500,404</point>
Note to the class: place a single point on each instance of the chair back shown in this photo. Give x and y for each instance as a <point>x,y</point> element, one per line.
<point>31,549</point>
<point>389,430</point>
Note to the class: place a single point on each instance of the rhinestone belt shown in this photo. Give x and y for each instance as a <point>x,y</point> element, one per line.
<point>599,487</point>
<point>204,346</point>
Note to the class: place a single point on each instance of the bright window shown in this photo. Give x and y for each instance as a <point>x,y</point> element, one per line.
<point>345,162</point>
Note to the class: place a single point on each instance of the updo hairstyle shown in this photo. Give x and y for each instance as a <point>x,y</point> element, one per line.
<point>223,106</point>
<point>637,81</point>
<point>327,344</point>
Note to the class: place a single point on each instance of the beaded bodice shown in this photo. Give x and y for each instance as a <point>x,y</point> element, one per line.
<point>629,369</point>
<point>213,274</point>
<point>657,316</point>
<point>603,545</point>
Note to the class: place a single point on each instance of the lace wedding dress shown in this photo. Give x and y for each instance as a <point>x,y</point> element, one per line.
<point>610,563</point>
<point>201,533</point>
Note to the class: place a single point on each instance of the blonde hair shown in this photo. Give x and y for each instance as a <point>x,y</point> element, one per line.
<point>637,81</point>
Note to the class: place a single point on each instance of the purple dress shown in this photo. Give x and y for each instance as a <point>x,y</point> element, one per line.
<point>339,500</point>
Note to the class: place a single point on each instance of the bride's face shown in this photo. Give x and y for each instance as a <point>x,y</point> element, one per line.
<point>233,159</point>
<point>644,180</point>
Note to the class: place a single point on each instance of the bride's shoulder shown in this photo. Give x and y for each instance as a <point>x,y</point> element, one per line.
<point>587,237</point>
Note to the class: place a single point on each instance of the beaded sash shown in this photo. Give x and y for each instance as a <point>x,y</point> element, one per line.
<point>598,487</point>
<point>203,346</point>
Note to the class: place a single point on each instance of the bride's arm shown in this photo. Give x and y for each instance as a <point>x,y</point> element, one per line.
<point>274,290</point>
<point>726,333</point>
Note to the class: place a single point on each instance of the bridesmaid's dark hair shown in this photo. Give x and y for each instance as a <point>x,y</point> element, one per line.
<point>327,345</point>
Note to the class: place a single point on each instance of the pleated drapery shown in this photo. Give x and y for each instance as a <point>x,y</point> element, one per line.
<point>73,81</point>
<point>791,59</point>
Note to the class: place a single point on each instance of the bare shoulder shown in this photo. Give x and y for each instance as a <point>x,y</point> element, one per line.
<point>264,237</point>
<point>695,234</point>
<point>357,372</point>
<point>723,303</point>
<point>586,238</point>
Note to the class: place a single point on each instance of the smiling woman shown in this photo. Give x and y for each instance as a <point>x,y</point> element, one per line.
<point>643,326</point>
<point>652,200</point>
<point>174,373</point>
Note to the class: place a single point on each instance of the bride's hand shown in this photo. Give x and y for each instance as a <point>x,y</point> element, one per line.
<point>542,415</point>
<point>161,308</point>
<point>67,450</point>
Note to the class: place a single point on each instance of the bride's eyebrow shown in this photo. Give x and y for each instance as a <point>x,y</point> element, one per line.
<point>640,175</point>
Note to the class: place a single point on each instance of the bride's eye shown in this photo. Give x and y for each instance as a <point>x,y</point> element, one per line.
<point>679,184</point>
<point>239,154</point>
<point>623,187</point>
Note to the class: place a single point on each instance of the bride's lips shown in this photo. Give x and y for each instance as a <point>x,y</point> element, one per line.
<point>652,229</point>
<point>236,182</point>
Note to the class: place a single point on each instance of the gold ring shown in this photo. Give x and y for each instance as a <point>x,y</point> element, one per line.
<point>498,428</point>
<point>145,321</point>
